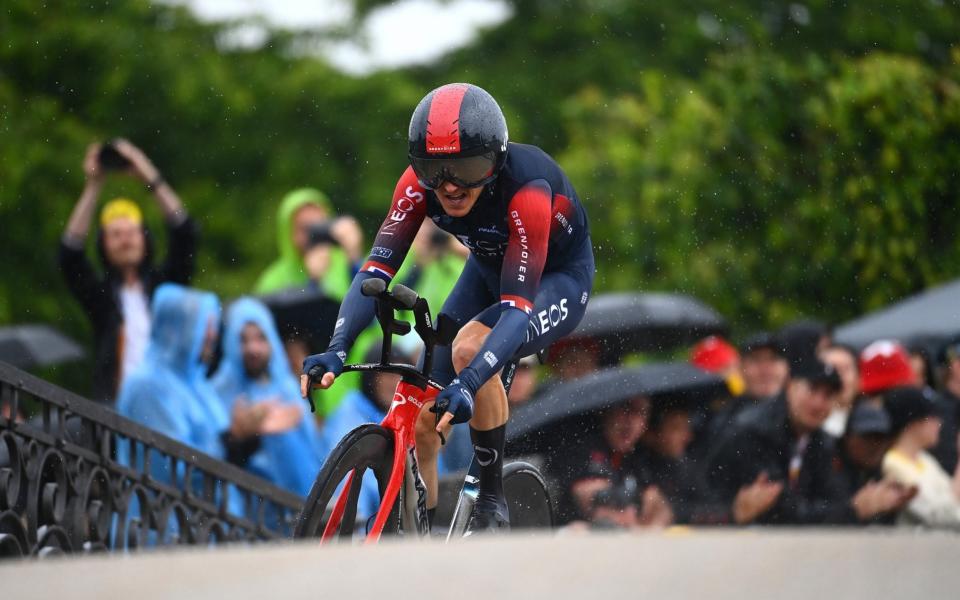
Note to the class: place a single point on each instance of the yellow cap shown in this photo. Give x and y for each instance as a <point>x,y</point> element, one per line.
<point>120,208</point>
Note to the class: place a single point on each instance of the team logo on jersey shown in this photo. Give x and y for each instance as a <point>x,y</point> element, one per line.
<point>492,231</point>
<point>548,318</point>
<point>564,222</point>
<point>483,248</point>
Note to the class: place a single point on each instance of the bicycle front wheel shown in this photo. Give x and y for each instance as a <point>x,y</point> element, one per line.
<point>527,497</point>
<point>366,448</point>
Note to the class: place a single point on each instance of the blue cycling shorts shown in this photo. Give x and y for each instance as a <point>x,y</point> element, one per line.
<point>557,309</point>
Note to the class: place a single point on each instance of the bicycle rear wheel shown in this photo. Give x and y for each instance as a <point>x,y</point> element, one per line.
<point>527,497</point>
<point>368,447</point>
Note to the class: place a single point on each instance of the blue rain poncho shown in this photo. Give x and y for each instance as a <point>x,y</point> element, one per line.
<point>169,392</point>
<point>291,459</point>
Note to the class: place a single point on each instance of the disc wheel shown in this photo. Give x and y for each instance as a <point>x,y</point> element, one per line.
<point>368,447</point>
<point>527,497</point>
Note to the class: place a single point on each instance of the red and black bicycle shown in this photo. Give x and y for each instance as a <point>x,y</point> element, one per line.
<point>388,450</point>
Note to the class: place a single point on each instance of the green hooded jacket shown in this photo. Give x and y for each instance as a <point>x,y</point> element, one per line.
<point>288,270</point>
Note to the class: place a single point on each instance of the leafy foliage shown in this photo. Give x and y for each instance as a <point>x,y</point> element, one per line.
<point>773,158</point>
<point>774,189</point>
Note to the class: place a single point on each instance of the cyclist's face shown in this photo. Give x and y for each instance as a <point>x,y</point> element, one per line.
<point>123,243</point>
<point>255,350</point>
<point>457,201</point>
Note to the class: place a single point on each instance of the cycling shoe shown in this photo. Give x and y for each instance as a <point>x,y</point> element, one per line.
<point>485,520</point>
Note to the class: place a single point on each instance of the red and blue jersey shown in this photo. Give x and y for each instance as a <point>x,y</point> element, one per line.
<point>527,222</point>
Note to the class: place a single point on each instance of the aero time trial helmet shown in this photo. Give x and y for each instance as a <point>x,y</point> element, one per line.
<point>457,134</point>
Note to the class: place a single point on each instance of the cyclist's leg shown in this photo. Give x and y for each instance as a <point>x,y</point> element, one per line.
<point>558,308</point>
<point>471,295</point>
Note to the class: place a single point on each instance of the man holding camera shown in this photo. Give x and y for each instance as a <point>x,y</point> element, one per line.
<point>317,248</point>
<point>117,301</point>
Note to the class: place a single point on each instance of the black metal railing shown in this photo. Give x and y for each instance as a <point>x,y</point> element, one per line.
<point>63,488</point>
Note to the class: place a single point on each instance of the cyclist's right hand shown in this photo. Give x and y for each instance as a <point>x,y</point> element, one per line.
<point>319,370</point>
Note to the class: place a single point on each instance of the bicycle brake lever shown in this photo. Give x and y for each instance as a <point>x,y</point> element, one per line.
<point>443,440</point>
<point>313,375</point>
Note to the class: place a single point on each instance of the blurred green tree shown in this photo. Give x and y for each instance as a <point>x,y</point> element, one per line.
<point>772,188</point>
<point>773,158</point>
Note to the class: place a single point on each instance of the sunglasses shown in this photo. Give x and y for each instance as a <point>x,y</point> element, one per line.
<point>468,171</point>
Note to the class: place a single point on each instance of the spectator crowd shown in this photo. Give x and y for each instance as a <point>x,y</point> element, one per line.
<point>809,431</point>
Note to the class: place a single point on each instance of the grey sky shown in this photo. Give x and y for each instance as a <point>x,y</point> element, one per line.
<point>405,33</point>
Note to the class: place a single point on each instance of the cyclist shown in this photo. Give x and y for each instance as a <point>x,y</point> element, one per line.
<point>525,284</point>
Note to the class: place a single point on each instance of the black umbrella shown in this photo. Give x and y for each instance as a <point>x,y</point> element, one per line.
<point>565,411</point>
<point>27,346</point>
<point>304,315</point>
<point>932,316</point>
<point>635,322</point>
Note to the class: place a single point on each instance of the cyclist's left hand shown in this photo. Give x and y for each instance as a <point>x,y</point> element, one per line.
<point>455,402</point>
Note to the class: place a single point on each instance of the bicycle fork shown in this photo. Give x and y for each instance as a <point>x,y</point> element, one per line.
<point>390,494</point>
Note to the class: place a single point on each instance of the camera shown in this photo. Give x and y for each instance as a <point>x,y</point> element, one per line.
<point>321,233</point>
<point>619,495</point>
<point>439,239</point>
<point>110,159</point>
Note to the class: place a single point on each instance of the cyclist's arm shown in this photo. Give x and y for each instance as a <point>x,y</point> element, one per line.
<point>396,234</point>
<point>528,217</point>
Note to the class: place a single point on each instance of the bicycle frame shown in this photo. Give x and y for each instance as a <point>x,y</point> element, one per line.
<point>414,390</point>
<point>401,418</point>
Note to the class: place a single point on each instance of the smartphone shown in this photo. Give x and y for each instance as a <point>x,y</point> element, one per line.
<point>110,159</point>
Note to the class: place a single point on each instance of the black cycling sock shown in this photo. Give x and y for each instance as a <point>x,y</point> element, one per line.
<point>431,513</point>
<point>488,449</point>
